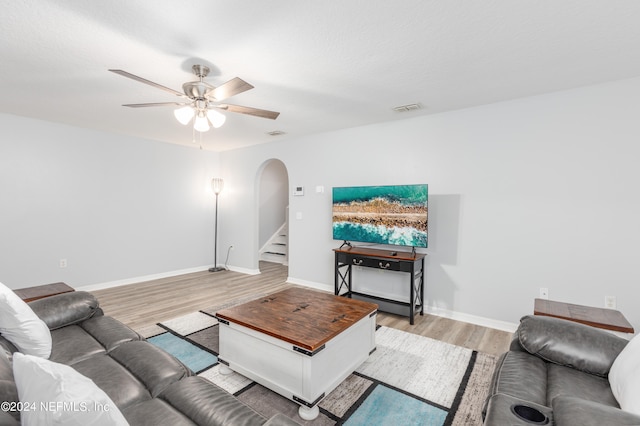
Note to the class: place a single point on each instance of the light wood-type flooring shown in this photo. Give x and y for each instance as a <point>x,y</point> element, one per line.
<point>144,304</point>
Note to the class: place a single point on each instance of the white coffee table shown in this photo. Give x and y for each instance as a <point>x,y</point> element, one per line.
<point>299,343</point>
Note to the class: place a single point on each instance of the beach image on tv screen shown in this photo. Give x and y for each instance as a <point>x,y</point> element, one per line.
<point>395,215</point>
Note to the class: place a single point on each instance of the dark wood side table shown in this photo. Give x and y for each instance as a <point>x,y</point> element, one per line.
<point>608,319</point>
<point>39,292</point>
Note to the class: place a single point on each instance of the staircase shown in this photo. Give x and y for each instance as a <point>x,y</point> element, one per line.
<point>276,248</point>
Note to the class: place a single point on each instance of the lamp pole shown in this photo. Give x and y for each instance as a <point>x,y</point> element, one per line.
<point>216,184</point>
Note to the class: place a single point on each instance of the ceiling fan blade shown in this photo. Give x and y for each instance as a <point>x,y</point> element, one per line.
<point>150,83</point>
<point>157,104</point>
<point>230,88</point>
<point>248,110</point>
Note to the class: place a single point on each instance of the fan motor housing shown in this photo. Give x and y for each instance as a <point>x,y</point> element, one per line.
<point>197,89</point>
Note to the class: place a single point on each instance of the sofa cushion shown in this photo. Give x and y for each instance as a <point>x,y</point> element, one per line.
<point>155,368</point>
<point>120,384</point>
<point>73,344</point>
<point>570,344</point>
<point>624,377</point>
<point>109,332</point>
<point>70,398</point>
<point>566,381</point>
<point>155,412</point>
<point>207,404</point>
<point>21,326</point>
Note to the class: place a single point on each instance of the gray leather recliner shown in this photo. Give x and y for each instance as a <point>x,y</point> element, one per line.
<point>556,373</point>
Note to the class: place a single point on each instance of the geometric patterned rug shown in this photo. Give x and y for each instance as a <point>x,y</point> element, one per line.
<point>408,380</point>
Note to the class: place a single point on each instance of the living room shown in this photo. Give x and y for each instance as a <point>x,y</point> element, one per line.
<point>528,192</point>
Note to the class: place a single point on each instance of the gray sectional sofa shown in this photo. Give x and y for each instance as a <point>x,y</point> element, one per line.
<point>149,386</point>
<point>556,373</point>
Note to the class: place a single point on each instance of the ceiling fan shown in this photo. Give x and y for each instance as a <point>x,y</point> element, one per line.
<point>203,100</point>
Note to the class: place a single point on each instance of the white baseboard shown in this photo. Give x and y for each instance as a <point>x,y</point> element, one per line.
<point>311,284</point>
<point>458,316</point>
<point>472,319</point>
<point>244,270</point>
<point>126,281</point>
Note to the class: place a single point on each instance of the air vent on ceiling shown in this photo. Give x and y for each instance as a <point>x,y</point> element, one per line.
<point>276,133</point>
<point>405,108</point>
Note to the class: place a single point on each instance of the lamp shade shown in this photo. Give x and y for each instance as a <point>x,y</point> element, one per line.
<point>217,184</point>
<point>184,114</point>
<point>217,119</point>
<point>201,124</point>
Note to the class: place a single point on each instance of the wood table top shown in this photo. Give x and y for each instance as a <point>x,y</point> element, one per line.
<point>305,318</point>
<point>608,319</point>
<point>387,254</point>
<point>39,292</point>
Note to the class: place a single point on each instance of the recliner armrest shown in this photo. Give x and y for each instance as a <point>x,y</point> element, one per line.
<point>570,344</point>
<point>66,309</point>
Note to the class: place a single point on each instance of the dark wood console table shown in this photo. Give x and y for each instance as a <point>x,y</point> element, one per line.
<point>412,263</point>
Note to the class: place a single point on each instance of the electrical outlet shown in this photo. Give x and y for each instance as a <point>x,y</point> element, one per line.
<point>610,302</point>
<point>63,263</point>
<point>544,293</point>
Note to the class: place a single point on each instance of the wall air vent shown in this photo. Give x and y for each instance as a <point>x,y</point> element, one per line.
<point>405,108</point>
<point>276,133</point>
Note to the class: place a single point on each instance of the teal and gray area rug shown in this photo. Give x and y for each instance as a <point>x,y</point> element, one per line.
<point>408,380</point>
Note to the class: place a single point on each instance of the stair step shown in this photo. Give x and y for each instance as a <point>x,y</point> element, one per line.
<point>277,254</point>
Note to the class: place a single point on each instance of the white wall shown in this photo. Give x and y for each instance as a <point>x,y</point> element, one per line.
<point>115,207</point>
<point>535,192</point>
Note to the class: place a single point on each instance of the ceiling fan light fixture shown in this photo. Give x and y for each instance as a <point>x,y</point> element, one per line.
<point>217,119</point>
<point>201,97</point>
<point>201,124</point>
<point>184,114</point>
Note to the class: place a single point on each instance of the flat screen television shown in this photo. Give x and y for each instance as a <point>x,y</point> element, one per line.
<point>391,214</point>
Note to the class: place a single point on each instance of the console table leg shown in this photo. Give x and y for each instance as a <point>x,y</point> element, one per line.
<point>308,413</point>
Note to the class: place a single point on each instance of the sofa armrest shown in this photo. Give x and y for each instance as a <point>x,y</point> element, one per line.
<point>569,411</point>
<point>570,344</point>
<point>66,309</point>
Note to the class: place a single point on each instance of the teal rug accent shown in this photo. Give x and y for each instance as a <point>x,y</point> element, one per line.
<point>408,380</point>
<point>386,406</point>
<point>191,355</point>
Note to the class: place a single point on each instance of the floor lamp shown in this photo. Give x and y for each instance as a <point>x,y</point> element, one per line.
<point>216,184</point>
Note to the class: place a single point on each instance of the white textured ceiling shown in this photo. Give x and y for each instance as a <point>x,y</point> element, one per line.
<point>324,65</point>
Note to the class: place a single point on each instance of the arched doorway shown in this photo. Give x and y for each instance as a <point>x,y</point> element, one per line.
<point>272,186</point>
